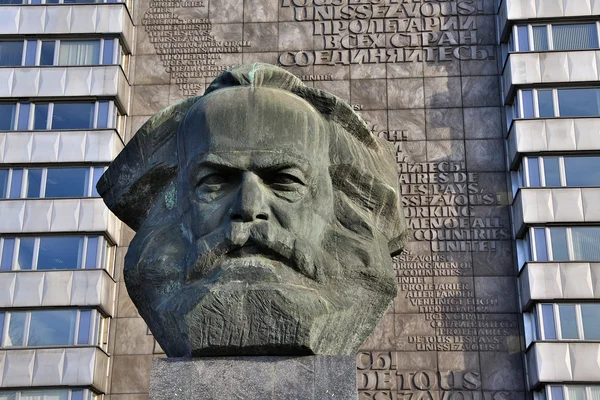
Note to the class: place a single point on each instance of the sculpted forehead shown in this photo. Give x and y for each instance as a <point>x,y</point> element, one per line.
<point>247,119</point>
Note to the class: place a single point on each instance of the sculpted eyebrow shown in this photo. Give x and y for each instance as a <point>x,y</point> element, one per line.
<point>276,162</point>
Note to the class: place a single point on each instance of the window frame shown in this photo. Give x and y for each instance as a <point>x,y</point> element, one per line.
<point>96,329</point>
<point>105,253</point>
<point>518,106</point>
<point>547,391</point>
<point>89,190</point>
<point>514,36</point>
<point>88,394</point>
<point>114,115</point>
<point>117,57</point>
<point>540,334</point>
<point>531,247</point>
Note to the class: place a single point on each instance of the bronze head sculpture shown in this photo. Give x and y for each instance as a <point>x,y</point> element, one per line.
<point>266,214</point>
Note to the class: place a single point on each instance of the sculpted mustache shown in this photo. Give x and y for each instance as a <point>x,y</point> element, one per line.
<point>271,240</point>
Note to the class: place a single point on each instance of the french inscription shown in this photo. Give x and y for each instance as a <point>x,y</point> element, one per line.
<point>381,377</point>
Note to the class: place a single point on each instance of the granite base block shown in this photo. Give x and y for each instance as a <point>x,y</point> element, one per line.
<point>248,378</point>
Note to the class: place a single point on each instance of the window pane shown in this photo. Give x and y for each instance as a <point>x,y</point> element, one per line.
<point>546,103</point>
<point>3,183</point>
<point>534,172</point>
<point>77,394</point>
<point>15,185</point>
<point>109,49</point>
<point>551,171</point>
<point>7,117</point>
<point>549,324</point>
<point>541,250</point>
<point>7,395</point>
<point>527,103</point>
<point>523,38</point>
<point>52,328</point>
<point>60,252</point>
<point>578,102</point>
<point>67,182</point>
<point>586,244</point>
<point>73,116</point>
<point>1,326</point>
<point>16,329</point>
<point>25,258</point>
<point>98,171</point>
<point>34,183</point>
<point>30,53</point>
<point>85,319</point>
<point>540,37</point>
<point>8,250</point>
<point>582,171</point>
<point>11,53</point>
<point>558,240</point>
<point>23,123</point>
<point>595,393</point>
<point>102,114</point>
<point>568,321</point>
<point>47,53</point>
<point>576,392</point>
<point>574,37</point>
<point>556,392</point>
<point>40,117</point>
<point>79,52</point>
<point>92,253</point>
<point>590,314</point>
<point>45,395</point>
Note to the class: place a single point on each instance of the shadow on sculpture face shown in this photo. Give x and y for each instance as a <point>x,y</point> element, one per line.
<point>273,227</point>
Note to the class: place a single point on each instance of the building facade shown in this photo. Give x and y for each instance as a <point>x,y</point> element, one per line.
<point>494,110</point>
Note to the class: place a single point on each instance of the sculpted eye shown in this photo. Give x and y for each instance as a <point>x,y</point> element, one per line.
<point>213,180</point>
<point>285,179</point>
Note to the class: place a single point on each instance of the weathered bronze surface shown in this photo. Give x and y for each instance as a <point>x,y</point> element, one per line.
<point>266,214</point>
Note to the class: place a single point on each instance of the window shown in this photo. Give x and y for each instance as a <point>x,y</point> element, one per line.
<point>55,252</point>
<point>34,52</point>
<point>573,171</point>
<point>572,392</point>
<point>33,183</point>
<point>564,244</point>
<point>551,103</point>
<point>50,394</point>
<point>58,327</point>
<point>568,321</point>
<point>558,37</point>
<point>59,115</point>
<point>11,53</point>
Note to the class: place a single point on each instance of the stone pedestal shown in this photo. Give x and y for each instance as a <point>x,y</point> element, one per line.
<point>248,378</point>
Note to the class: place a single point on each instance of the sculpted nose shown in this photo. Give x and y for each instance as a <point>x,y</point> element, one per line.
<point>249,203</point>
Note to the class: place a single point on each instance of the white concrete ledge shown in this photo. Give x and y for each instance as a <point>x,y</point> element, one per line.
<point>77,366</point>
<point>511,10</point>
<point>80,288</point>
<point>559,205</point>
<point>559,281</point>
<point>549,67</point>
<point>60,146</point>
<point>562,362</point>
<point>58,81</point>
<point>554,134</point>
<point>56,19</point>
<point>58,215</point>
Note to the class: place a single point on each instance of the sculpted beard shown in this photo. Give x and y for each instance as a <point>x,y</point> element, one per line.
<point>192,288</point>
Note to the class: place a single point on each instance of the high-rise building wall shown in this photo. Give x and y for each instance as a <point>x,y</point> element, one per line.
<point>493,108</point>
<point>550,91</point>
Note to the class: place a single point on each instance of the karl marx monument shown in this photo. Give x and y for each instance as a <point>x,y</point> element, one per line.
<point>266,215</point>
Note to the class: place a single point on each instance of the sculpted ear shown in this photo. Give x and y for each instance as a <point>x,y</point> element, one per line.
<point>144,172</point>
